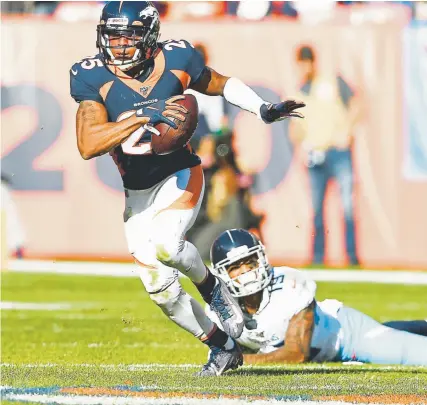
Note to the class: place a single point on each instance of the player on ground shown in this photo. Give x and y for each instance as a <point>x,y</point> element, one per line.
<point>120,91</point>
<point>285,323</point>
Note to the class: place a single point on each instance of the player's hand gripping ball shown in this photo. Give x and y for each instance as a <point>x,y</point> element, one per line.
<point>172,122</point>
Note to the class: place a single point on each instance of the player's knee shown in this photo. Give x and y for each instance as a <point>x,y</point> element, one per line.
<point>167,299</point>
<point>169,252</point>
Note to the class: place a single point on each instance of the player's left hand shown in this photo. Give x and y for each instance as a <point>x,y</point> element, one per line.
<point>277,112</point>
<point>163,112</point>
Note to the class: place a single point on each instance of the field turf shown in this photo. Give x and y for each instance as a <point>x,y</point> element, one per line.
<point>102,337</point>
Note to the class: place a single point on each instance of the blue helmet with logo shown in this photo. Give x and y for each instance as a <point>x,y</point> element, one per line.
<point>138,20</point>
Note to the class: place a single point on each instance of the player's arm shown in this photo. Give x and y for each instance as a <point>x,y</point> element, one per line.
<point>238,93</point>
<point>210,82</point>
<point>297,341</point>
<point>95,135</point>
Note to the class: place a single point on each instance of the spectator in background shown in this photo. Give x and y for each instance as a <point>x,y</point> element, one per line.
<point>326,136</point>
<point>225,200</point>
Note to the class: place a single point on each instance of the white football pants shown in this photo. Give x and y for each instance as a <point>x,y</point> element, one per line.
<point>366,340</point>
<point>156,221</point>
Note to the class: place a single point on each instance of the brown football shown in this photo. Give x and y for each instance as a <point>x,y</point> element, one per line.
<point>171,139</point>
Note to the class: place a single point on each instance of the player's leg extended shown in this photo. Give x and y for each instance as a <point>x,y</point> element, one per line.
<point>177,204</point>
<point>418,327</point>
<point>162,284</point>
<point>366,340</point>
<point>160,281</point>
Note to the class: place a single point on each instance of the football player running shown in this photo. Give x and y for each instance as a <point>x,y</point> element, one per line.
<point>285,324</point>
<point>124,90</point>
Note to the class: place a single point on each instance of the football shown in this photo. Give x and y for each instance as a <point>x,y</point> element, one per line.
<point>171,139</point>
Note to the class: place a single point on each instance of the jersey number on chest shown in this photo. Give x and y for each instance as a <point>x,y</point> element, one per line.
<point>135,144</point>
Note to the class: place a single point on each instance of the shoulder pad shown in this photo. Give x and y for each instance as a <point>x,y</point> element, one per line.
<point>281,271</point>
<point>87,67</point>
<point>181,55</point>
<point>173,44</point>
<point>86,78</point>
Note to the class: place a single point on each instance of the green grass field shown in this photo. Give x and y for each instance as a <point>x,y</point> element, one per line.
<point>107,338</point>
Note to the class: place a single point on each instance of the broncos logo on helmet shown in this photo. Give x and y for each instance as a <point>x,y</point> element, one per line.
<point>138,22</point>
<point>150,11</point>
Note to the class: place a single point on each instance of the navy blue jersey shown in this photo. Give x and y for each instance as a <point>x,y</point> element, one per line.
<point>176,66</point>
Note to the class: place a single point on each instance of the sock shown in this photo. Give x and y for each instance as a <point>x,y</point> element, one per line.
<point>229,344</point>
<point>217,338</point>
<point>206,286</point>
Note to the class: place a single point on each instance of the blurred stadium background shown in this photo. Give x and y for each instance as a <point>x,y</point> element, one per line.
<point>58,206</point>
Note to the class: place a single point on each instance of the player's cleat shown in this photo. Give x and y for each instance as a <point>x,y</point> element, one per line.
<point>221,360</point>
<point>227,309</point>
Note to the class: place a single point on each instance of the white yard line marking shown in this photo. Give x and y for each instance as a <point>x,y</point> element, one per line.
<point>39,306</point>
<point>160,366</point>
<point>125,367</point>
<point>43,306</point>
<point>82,268</point>
<point>131,270</point>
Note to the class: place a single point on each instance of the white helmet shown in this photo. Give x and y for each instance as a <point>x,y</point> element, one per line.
<point>232,246</point>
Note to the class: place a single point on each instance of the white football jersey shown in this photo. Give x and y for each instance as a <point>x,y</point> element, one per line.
<point>289,292</point>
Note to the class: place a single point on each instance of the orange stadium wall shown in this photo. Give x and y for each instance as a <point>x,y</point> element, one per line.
<point>73,208</point>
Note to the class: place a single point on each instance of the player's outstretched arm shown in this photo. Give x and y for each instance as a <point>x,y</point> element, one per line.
<point>238,93</point>
<point>297,341</point>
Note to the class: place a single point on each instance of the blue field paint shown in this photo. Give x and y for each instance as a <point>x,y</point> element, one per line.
<point>8,393</point>
<point>33,391</point>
